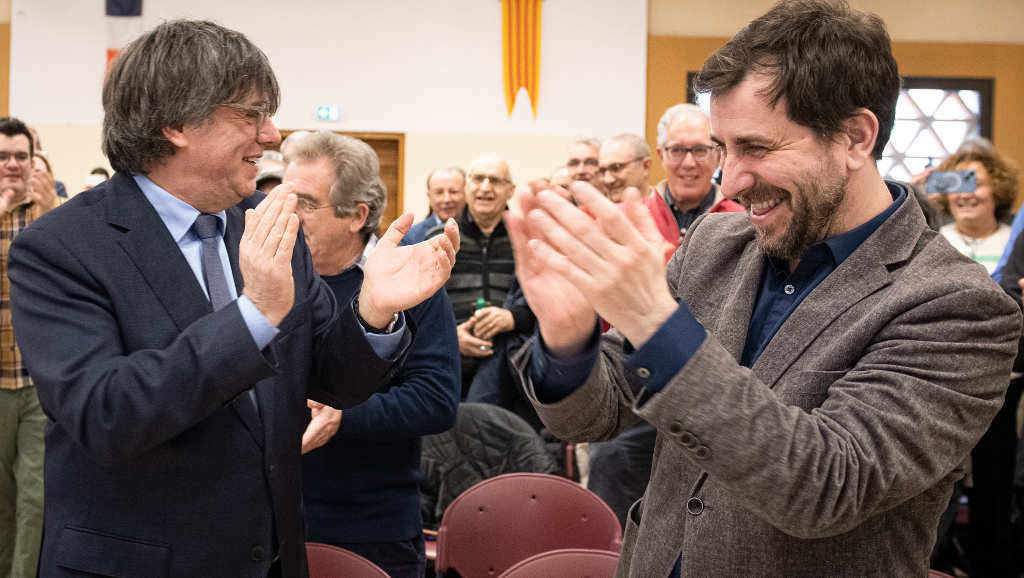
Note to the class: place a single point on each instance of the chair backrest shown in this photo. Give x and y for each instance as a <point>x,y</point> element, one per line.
<point>326,561</point>
<point>568,563</point>
<point>511,517</point>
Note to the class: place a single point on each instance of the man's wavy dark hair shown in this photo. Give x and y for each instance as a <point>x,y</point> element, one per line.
<point>176,75</point>
<point>827,61</point>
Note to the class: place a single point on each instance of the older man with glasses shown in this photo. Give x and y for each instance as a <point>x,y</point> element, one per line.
<point>484,276</point>
<point>582,163</point>
<point>625,162</point>
<point>690,157</point>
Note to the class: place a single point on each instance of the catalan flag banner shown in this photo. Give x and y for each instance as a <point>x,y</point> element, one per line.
<point>124,24</point>
<point>520,35</point>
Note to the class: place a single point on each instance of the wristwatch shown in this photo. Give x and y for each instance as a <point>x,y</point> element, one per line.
<point>389,328</point>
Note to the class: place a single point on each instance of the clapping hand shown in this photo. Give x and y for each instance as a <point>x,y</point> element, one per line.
<point>396,278</point>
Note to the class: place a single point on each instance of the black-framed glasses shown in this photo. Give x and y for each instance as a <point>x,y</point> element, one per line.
<point>478,179</point>
<point>616,168</point>
<point>254,113</point>
<point>573,163</point>
<point>699,152</point>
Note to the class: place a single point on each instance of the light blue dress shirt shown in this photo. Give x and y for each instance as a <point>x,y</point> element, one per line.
<point>178,216</point>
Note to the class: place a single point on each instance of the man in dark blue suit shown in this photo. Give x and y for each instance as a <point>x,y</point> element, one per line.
<point>174,326</point>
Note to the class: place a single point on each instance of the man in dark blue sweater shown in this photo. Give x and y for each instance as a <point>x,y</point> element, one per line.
<point>361,487</point>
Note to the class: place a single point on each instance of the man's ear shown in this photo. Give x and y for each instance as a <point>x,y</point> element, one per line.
<point>861,130</point>
<point>361,212</point>
<point>176,135</point>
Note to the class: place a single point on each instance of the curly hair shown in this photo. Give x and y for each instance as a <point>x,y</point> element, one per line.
<point>1002,173</point>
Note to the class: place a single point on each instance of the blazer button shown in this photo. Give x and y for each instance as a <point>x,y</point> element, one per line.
<point>688,440</point>
<point>257,553</point>
<point>675,428</point>
<point>643,372</point>
<point>694,507</point>
<point>702,453</point>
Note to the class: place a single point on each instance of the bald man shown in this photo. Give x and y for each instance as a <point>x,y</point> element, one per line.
<point>488,306</point>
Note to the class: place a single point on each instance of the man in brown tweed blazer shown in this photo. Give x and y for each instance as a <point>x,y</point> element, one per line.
<point>818,368</point>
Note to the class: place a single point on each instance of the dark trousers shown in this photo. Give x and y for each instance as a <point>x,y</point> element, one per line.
<point>991,550</point>
<point>620,468</point>
<point>403,559</point>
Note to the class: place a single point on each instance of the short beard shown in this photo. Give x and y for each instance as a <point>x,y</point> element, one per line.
<point>813,207</point>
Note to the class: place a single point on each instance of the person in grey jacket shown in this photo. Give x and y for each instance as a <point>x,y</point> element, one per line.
<point>817,369</point>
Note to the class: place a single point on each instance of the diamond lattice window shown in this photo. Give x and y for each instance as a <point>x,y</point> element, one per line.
<point>930,124</point>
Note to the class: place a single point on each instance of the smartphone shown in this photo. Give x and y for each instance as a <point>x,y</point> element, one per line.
<point>944,182</point>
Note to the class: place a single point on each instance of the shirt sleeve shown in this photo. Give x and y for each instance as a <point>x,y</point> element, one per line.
<point>667,351</point>
<point>261,330</point>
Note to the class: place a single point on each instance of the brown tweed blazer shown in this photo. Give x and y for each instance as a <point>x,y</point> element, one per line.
<point>835,454</point>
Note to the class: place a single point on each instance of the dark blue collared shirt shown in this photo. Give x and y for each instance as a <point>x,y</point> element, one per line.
<point>679,338</point>
<point>686,218</point>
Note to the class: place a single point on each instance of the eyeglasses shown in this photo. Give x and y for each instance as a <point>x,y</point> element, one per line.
<point>573,163</point>
<point>699,152</point>
<point>253,113</point>
<point>616,168</point>
<point>479,179</point>
<point>19,157</point>
<point>307,206</point>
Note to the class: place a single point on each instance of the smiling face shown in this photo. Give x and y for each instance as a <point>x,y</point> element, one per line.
<point>977,210</point>
<point>689,178</point>
<point>446,192</point>
<point>334,242</point>
<point>622,168</point>
<point>488,189</point>
<point>582,162</point>
<point>792,184</point>
<point>220,156</point>
<point>17,168</point>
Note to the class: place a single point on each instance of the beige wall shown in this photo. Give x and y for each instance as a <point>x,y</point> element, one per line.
<point>73,150</point>
<point>530,157</point>
<point>908,20</point>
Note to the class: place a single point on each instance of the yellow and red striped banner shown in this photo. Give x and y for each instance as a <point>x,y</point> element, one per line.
<point>520,37</point>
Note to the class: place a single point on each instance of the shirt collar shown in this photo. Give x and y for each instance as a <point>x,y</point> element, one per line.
<point>177,215</point>
<point>703,207</point>
<point>843,245</point>
<point>371,244</point>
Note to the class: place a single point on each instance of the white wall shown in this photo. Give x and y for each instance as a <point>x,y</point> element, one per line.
<point>421,67</point>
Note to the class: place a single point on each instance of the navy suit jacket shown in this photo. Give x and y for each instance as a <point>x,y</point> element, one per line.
<point>157,462</point>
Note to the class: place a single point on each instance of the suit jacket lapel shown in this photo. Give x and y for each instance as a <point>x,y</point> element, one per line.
<point>150,247</point>
<point>862,273</point>
<point>232,238</point>
<point>733,317</point>
<point>243,405</point>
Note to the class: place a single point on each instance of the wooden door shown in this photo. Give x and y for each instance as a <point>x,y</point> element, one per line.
<point>390,148</point>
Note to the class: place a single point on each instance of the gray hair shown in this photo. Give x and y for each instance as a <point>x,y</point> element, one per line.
<point>674,112</point>
<point>636,143</point>
<point>452,169</point>
<point>593,143</point>
<point>176,75</point>
<point>356,174</point>
<point>289,141</point>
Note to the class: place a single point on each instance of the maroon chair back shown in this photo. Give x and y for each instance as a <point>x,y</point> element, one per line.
<point>326,561</point>
<point>509,518</point>
<point>570,563</point>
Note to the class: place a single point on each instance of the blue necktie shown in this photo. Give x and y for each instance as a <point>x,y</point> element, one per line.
<point>213,268</point>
